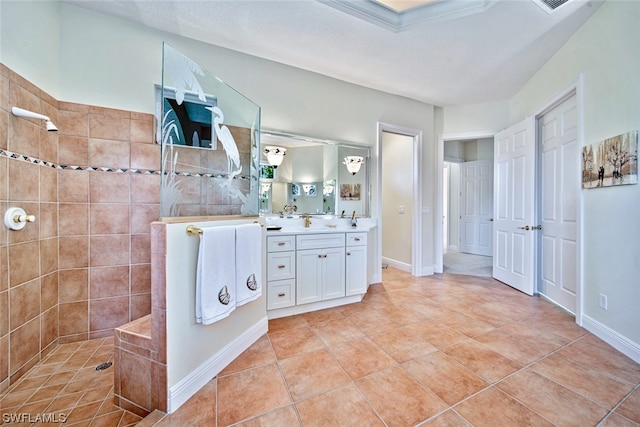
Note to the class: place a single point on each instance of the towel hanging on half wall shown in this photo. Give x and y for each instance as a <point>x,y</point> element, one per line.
<point>248,263</point>
<point>216,274</point>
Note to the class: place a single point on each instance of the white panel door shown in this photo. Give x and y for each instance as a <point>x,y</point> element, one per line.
<point>559,181</point>
<point>514,195</point>
<point>476,207</point>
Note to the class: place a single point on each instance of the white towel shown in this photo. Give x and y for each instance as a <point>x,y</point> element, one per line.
<point>248,263</point>
<point>215,274</point>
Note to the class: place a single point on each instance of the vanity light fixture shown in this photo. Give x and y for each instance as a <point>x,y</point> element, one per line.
<point>353,163</point>
<point>19,112</point>
<point>306,188</point>
<point>274,155</point>
<point>265,187</point>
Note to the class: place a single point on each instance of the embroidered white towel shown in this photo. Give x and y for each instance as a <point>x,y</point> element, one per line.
<point>248,263</point>
<point>215,274</point>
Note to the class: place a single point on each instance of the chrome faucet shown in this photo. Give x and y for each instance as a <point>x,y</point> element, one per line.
<point>307,220</point>
<point>342,215</point>
<point>354,221</point>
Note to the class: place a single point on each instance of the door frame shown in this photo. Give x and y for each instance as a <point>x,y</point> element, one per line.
<point>575,87</point>
<point>442,138</point>
<point>416,220</point>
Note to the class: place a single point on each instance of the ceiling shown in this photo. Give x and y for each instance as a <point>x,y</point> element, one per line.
<point>458,60</point>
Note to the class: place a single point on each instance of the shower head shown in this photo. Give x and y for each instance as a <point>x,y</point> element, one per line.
<point>19,112</point>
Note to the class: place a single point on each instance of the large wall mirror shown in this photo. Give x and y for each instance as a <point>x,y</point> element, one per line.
<point>313,177</point>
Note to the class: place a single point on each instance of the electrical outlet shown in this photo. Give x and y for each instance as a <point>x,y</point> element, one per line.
<point>602,300</point>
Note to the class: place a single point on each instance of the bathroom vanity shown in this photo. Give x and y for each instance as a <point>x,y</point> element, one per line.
<point>324,265</point>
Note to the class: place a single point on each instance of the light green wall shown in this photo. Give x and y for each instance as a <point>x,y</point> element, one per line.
<point>605,51</point>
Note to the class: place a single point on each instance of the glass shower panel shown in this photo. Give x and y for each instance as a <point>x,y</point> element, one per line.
<point>210,136</point>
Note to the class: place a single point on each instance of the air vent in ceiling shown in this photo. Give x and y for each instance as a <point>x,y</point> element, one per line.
<point>550,5</point>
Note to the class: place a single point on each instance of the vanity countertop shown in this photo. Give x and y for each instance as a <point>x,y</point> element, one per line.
<point>318,225</point>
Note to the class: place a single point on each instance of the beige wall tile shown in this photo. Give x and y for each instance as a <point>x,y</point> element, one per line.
<point>73,285</point>
<point>108,153</point>
<point>108,282</point>
<point>108,313</point>
<point>73,318</point>
<point>74,252</point>
<point>73,150</point>
<point>28,339</point>
<point>24,262</point>
<point>74,219</point>
<point>109,187</point>
<point>73,186</point>
<point>109,250</point>
<point>109,218</point>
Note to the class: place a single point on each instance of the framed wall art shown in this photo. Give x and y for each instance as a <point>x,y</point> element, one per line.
<point>611,162</point>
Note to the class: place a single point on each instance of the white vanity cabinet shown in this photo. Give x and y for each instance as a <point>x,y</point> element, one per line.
<point>281,272</point>
<point>308,271</point>
<point>320,262</point>
<point>356,264</point>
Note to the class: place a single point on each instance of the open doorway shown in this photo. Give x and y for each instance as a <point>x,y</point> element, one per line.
<point>399,154</point>
<point>466,204</point>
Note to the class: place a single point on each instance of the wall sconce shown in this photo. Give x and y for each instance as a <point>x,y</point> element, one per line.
<point>275,155</point>
<point>327,189</point>
<point>265,187</point>
<point>19,112</point>
<point>353,163</point>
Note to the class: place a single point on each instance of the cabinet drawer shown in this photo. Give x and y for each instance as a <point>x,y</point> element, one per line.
<point>319,241</point>
<point>356,239</point>
<point>281,265</point>
<point>281,293</point>
<point>281,243</point>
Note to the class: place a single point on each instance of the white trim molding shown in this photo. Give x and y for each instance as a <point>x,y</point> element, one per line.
<point>613,338</point>
<point>199,377</point>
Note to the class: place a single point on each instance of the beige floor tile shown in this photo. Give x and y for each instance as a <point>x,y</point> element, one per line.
<point>260,353</point>
<point>312,373</point>
<point>451,381</point>
<point>481,360</point>
<point>295,341</point>
<point>335,331</point>
<point>250,393</point>
<point>322,315</point>
<point>630,408</point>
<point>402,345</point>
<point>516,349</point>
<point>615,420</point>
<point>285,323</point>
<point>399,398</point>
<point>447,419</point>
<point>436,333</point>
<point>199,410</point>
<point>591,352</point>
<point>372,321</point>
<point>587,382</point>
<point>343,407</point>
<point>361,357</point>
<point>492,408</point>
<point>551,400</point>
<point>281,417</point>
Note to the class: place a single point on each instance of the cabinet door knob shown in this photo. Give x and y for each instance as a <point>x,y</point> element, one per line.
<point>319,255</point>
<point>281,294</point>
<point>348,253</point>
<point>281,266</point>
<point>357,239</point>
<point>281,243</point>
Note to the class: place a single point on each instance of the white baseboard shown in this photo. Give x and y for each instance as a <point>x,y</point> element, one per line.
<point>397,264</point>
<point>188,386</point>
<point>613,338</point>
<point>428,271</point>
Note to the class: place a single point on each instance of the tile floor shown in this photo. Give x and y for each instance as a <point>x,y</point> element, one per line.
<point>445,350</point>
<point>66,389</point>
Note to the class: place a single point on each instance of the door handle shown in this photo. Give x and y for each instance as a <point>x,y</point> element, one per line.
<point>526,227</point>
<point>491,219</point>
<point>537,227</point>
